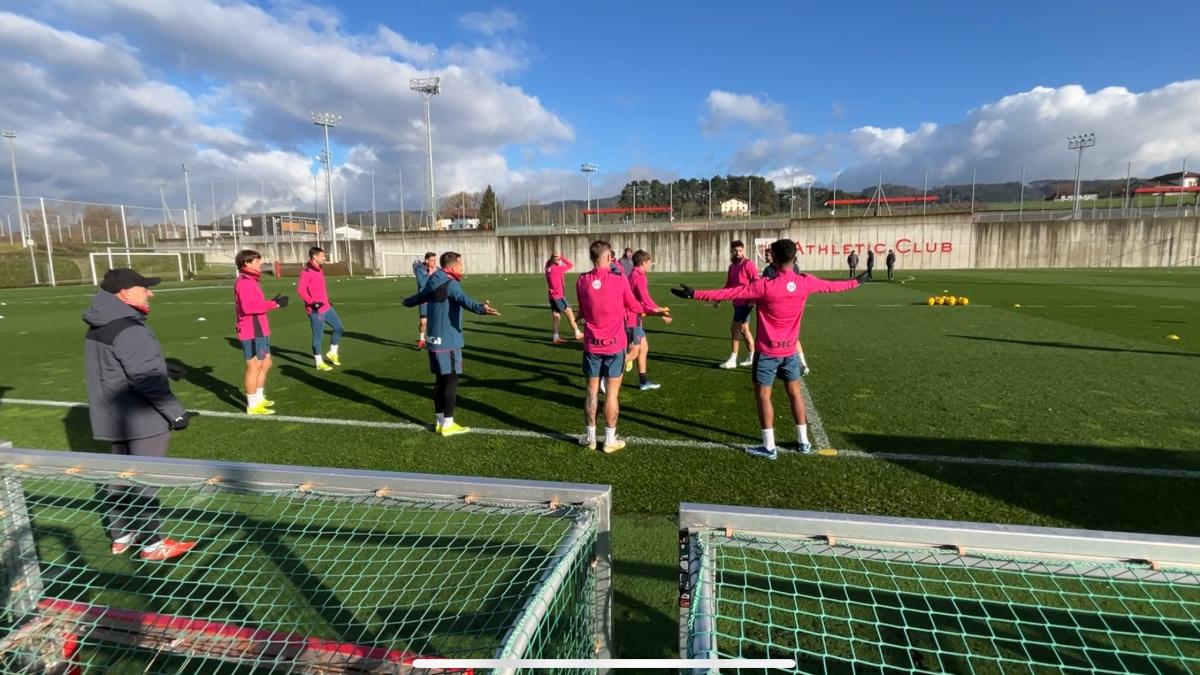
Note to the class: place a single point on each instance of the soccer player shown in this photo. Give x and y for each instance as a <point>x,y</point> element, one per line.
<point>626,262</point>
<point>635,332</point>
<point>253,329</point>
<point>891,264</point>
<point>446,299</point>
<point>421,270</point>
<point>604,298</point>
<point>741,272</point>
<point>311,289</point>
<point>769,272</point>
<point>780,302</point>
<point>556,268</point>
<point>870,265</point>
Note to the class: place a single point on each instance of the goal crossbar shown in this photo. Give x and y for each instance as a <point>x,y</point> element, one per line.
<point>111,256</point>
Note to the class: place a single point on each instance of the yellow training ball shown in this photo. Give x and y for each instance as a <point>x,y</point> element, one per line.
<point>951,300</point>
<point>964,301</point>
<point>941,300</point>
<point>1017,306</point>
<point>931,301</point>
<point>1172,337</point>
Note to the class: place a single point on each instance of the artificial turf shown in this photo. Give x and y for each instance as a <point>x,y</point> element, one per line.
<point>1082,371</point>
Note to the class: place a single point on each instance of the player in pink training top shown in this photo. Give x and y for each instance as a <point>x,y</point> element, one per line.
<point>741,272</point>
<point>780,308</point>
<point>635,333</point>
<point>253,330</point>
<point>556,268</point>
<point>604,298</point>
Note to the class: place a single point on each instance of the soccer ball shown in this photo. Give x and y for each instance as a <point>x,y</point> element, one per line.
<point>931,301</point>
<point>941,300</point>
<point>951,300</point>
<point>964,301</point>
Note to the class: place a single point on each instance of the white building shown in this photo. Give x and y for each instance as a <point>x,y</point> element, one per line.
<point>345,233</point>
<point>464,224</point>
<point>731,208</point>
<point>1089,197</point>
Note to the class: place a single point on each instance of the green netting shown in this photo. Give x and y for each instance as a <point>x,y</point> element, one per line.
<point>285,579</point>
<point>864,609</point>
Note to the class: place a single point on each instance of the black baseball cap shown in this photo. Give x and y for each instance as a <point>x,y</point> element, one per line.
<point>122,278</point>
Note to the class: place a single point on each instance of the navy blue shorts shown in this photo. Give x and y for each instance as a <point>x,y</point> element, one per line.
<point>742,314</point>
<point>256,348</point>
<point>423,309</point>
<point>767,368</point>
<point>558,305</point>
<point>635,335</point>
<point>603,365</point>
<point>446,362</point>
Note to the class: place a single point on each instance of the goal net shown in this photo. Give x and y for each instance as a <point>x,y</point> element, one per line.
<point>147,263</point>
<point>296,569</point>
<point>398,263</point>
<point>848,594</point>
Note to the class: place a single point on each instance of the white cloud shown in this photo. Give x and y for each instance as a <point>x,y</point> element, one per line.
<point>489,23</point>
<point>724,109</point>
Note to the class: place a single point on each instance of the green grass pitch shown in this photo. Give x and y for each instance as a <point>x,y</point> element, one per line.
<point>1083,371</point>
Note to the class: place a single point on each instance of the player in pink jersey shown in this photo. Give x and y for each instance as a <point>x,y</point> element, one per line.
<point>635,332</point>
<point>741,272</point>
<point>604,298</point>
<point>556,268</point>
<point>780,302</point>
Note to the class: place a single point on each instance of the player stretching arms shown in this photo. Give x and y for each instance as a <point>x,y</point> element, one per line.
<point>421,270</point>
<point>446,299</point>
<point>780,309</point>
<point>311,289</point>
<point>604,298</point>
<point>253,329</point>
<point>635,333</point>
<point>556,268</point>
<point>769,272</point>
<point>741,272</point>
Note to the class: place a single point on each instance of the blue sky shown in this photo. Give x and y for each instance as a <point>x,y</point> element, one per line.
<point>108,97</point>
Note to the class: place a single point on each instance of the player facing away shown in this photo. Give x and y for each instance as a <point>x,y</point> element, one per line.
<point>311,289</point>
<point>604,298</point>
<point>444,296</point>
<point>780,301</point>
<point>741,272</point>
<point>253,329</point>
<point>421,270</point>
<point>556,268</point>
<point>769,272</point>
<point>635,332</point>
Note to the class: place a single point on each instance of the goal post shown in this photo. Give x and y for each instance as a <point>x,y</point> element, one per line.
<point>398,263</point>
<point>113,257</point>
<point>851,593</point>
<point>296,569</point>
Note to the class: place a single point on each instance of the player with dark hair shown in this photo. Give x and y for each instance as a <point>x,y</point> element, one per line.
<point>635,332</point>
<point>891,264</point>
<point>769,272</point>
<point>626,262</point>
<point>741,272</point>
<point>421,270</point>
<point>556,268</point>
<point>253,329</point>
<point>780,308</point>
<point>446,299</point>
<point>311,289</point>
<point>604,298</point>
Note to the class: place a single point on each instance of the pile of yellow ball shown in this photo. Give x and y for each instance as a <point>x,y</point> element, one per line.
<point>948,300</point>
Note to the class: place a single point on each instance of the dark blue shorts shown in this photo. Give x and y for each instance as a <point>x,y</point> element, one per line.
<point>558,305</point>
<point>446,362</point>
<point>742,314</point>
<point>767,368</point>
<point>635,335</point>
<point>423,309</point>
<point>256,348</point>
<point>603,365</point>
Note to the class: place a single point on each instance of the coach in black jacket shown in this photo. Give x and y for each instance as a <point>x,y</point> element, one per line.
<point>131,406</point>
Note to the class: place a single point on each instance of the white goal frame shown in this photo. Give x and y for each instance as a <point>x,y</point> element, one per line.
<point>109,255</point>
<point>405,271</point>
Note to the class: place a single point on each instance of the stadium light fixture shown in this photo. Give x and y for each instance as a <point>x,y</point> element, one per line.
<point>1079,142</point>
<point>325,121</point>
<point>588,169</point>
<point>428,87</point>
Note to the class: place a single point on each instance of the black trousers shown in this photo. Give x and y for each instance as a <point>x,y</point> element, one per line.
<point>133,510</point>
<point>852,271</point>
<point>891,273</point>
<point>870,271</point>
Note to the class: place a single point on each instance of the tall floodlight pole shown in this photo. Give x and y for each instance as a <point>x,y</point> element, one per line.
<point>1021,207</point>
<point>925,194</point>
<point>1079,142</point>
<point>12,153</point>
<point>190,211</point>
<point>428,87</point>
<point>325,121</point>
<point>374,217</point>
<point>588,169</point>
<point>401,171</point>
<point>834,200</point>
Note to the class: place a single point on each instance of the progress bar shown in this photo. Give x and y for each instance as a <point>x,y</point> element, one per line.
<point>608,664</point>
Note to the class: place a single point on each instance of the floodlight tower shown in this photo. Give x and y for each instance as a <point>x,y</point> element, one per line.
<point>428,87</point>
<point>325,121</point>
<point>1079,142</point>
<point>12,151</point>
<point>588,169</point>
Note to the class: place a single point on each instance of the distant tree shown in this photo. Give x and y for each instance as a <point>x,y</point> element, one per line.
<point>488,209</point>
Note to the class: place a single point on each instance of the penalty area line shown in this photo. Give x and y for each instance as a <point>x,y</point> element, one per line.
<point>814,422</point>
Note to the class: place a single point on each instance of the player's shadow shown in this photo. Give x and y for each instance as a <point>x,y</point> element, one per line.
<point>78,427</point>
<point>666,332</point>
<point>373,339</point>
<point>282,353</point>
<point>1070,345</point>
<point>510,334</point>
<point>201,376</point>
<point>333,388</point>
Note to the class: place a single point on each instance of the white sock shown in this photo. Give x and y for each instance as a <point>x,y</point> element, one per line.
<point>441,419</point>
<point>768,438</point>
<point>447,421</point>
<point>259,393</point>
<point>556,335</point>
<point>733,356</point>
<point>333,349</point>
<point>252,400</point>
<point>590,432</point>
<point>318,359</point>
<point>802,433</point>
<point>127,539</point>
<point>422,336</point>
<point>610,434</point>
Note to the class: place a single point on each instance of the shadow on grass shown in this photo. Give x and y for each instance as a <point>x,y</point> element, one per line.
<point>332,388</point>
<point>201,377</point>
<point>373,339</point>
<point>1069,345</point>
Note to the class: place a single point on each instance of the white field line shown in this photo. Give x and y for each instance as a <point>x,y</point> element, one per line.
<point>814,422</point>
